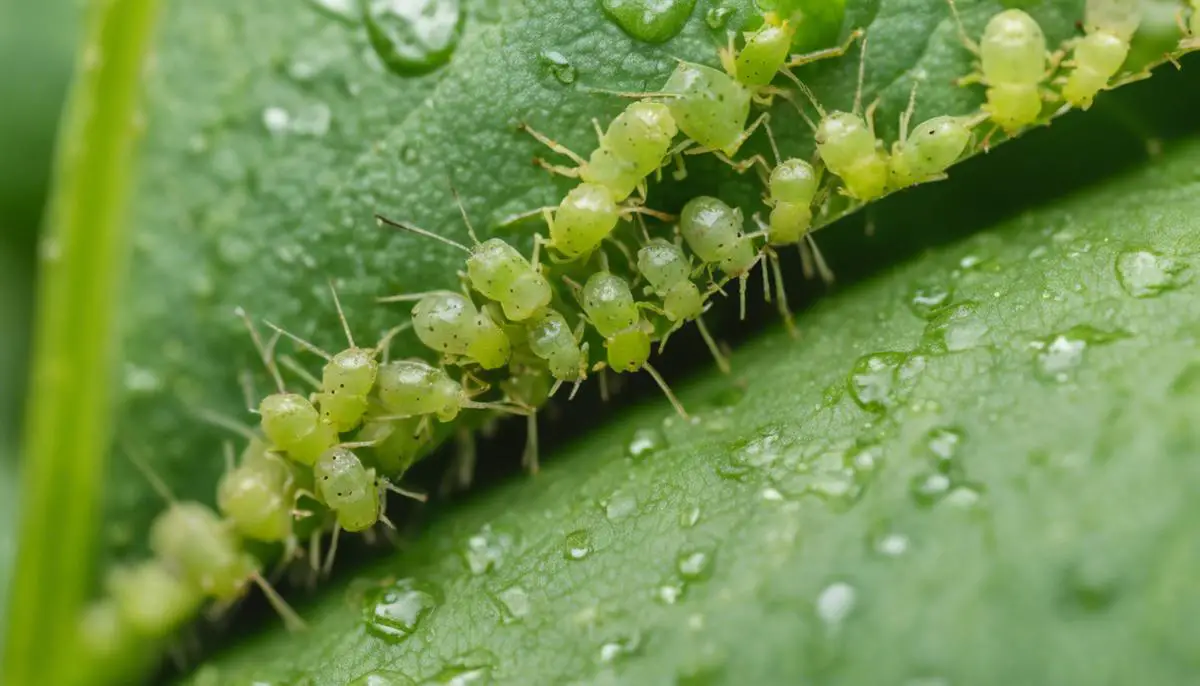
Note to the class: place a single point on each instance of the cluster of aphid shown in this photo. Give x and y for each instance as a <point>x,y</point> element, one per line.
<point>513,334</point>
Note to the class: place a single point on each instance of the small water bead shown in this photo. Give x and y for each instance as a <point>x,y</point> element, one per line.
<point>944,442</point>
<point>413,37</point>
<point>953,328</point>
<point>514,604</point>
<point>652,21</point>
<point>875,380</point>
<point>669,594</point>
<point>578,545</point>
<point>1145,274</point>
<point>459,675</point>
<point>694,565</point>
<point>645,442</point>
<point>487,550</point>
<point>717,17</point>
<point>394,612</point>
<point>690,516</point>
<point>1059,354</point>
<point>620,505</point>
<point>892,545</point>
<point>560,67</point>
<point>835,603</point>
<point>619,648</point>
<point>385,677</point>
<point>927,489</point>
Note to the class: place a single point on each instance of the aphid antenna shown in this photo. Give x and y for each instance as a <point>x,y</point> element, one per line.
<point>293,365</point>
<point>351,445</point>
<point>666,390</point>
<point>812,98</point>
<point>160,487</point>
<point>386,341</point>
<point>291,619</point>
<point>641,209</point>
<point>337,303</point>
<point>227,454</point>
<point>268,360</point>
<point>722,361</point>
<point>299,341</point>
<point>634,94</point>
<point>226,422</point>
<point>462,209</point>
<point>970,43</point>
<point>822,266</point>
<point>774,146</point>
<point>413,297</point>
<point>405,226</point>
<point>907,115</point>
<point>498,407</point>
<point>862,75</point>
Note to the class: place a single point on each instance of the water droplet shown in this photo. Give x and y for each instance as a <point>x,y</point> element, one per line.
<point>620,505</point>
<point>458,675</point>
<point>1058,354</point>
<point>694,565</point>
<point>943,442</point>
<point>487,549</point>
<point>277,120</point>
<point>413,37</point>
<point>1090,584</point>
<point>928,489</point>
<point>140,380</point>
<point>669,594</point>
<point>690,516</point>
<point>926,299</point>
<point>1145,274</point>
<point>310,120</point>
<point>613,650</point>
<point>952,329</point>
<point>578,545</point>
<point>514,604</point>
<point>653,21</point>
<point>716,17</point>
<point>892,545</point>
<point>645,442</point>
<point>343,10</point>
<point>835,603</point>
<point>382,678</point>
<point>963,496</point>
<point>394,611</point>
<point>875,380</point>
<point>560,67</point>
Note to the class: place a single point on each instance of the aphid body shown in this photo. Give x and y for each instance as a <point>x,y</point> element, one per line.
<point>257,496</point>
<point>709,106</point>
<point>1012,63</point>
<point>293,425</point>
<point>451,324</point>
<point>713,231</point>
<point>151,599</point>
<point>584,218</point>
<point>667,270</point>
<point>413,388</point>
<point>348,488</point>
<point>395,443</point>
<point>1098,56</point>
<point>631,149</point>
<point>550,339</point>
<point>202,549</point>
<point>792,186</point>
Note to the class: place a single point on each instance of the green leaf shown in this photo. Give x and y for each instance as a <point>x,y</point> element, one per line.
<point>69,410</point>
<point>974,468</point>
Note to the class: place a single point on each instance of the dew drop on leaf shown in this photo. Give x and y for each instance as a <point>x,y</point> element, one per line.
<point>1145,274</point>
<point>644,443</point>
<point>514,604</point>
<point>613,650</point>
<point>874,381</point>
<point>653,21</point>
<point>620,505</point>
<point>385,677</point>
<point>578,545</point>
<point>394,611</point>
<point>716,17</point>
<point>487,549</point>
<point>925,299</point>
<point>1058,354</point>
<point>560,67</point>
<point>835,603</point>
<point>694,565</point>
<point>927,489</point>
<point>891,545</point>
<point>953,328</point>
<point>413,37</point>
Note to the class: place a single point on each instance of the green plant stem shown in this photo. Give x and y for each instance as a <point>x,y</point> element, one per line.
<point>82,267</point>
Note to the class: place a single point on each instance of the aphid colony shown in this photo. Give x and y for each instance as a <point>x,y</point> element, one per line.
<point>519,328</point>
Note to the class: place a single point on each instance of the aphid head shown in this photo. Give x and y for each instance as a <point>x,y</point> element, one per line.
<point>641,134</point>
<point>287,418</point>
<point>351,372</point>
<point>794,180</point>
<point>1013,49</point>
<point>527,294</point>
<point>843,139</point>
<point>586,216</point>
<point>1012,27</point>
<point>628,350</point>
<point>449,397</point>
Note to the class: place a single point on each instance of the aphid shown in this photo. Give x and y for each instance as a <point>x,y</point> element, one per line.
<point>668,273</point>
<point>846,141</point>
<point>1098,55</point>
<point>415,388</point>
<point>495,269</point>
<point>713,231</point>
<point>586,216</point>
<point>289,421</point>
<point>395,443</point>
<point>550,339</point>
<point>151,599</point>
<point>258,496</point>
<point>613,312</point>
<point>934,145</point>
<point>201,549</point>
<point>450,323</point>
<point>348,376</point>
<point>1192,30</point>
<point>633,147</point>
<point>1012,65</point>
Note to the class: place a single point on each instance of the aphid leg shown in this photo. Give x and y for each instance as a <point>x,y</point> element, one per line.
<point>764,117</point>
<point>293,366</point>
<point>624,250</point>
<point>300,341</point>
<point>569,172</point>
<point>967,41</point>
<point>718,356</point>
<point>529,457</point>
<point>465,454</point>
<point>602,379</point>
<point>781,296</point>
<point>291,619</point>
<point>385,342</point>
<point>599,131</point>
<point>986,143</point>
<point>411,495</point>
<point>862,75</point>
<point>680,172</point>
<point>314,558</point>
<point>329,557</point>
<point>774,145</point>
<point>219,420</point>
<point>666,390</point>
<point>246,382</point>
<point>551,143</point>
<point>728,57</point>
<point>827,53</point>
<point>822,266</point>
<point>1130,78</point>
<point>337,304</point>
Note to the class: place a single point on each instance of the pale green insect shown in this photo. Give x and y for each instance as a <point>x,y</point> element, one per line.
<point>551,339</point>
<point>615,314</point>
<point>584,219</point>
<point>258,496</point>
<point>348,376</point>
<point>931,148</point>
<point>633,147</point>
<point>415,388</point>
<point>1098,55</point>
<point>1012,65</point>
<point>395,443</point>
<point>151,599</point>
<point>713,231</point>
<point>846,141</point>
<point>668,273</point>
<point>1192,42</point>
<point>449,323</point>
<point>494,268</point>
<point>290,422</point>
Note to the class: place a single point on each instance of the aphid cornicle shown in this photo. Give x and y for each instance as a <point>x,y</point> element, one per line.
<point>1012,65</point>
<point>348,376</point>
<point>668,273</point>
<point>494,268</point>
<point>1098,55</point>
